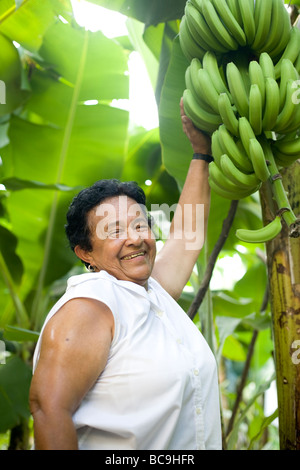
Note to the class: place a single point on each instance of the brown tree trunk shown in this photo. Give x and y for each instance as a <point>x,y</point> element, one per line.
<point>283,261</point>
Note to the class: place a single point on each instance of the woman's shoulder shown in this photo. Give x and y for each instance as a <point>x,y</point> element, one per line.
<point>91,284</point>
<point>83,279</point>
<point>82,289</point>
<point>79,313</point>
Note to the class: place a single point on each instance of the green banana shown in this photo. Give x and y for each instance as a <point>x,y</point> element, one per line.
<point>288,147</point>
<point>197,4</point>
<point>287,72</point>
<point>246,8</point>
<point>209,93</point>
<point>286,137</point>
<point>237,89</point>
<point>236,154</point>
<point>282,159</point>
<point>203,120</point>
<point>236,176</point>
<point>286,116</point>
<point>216,148</point>
<point>281,34</point>
<point>257,78</point>
<point>188,45</point>
<point>216,174</point>
<point>235,10</point>
<point>262,235</point>
<point>194,67</point>
<point>242,150</point>
<point>227,114</point>
<point>297,64</point>
<point>291,51</point>
<point>210,64</point>
<point>195,86</point>
<point>294,124</point>
<point>279,31</point>
<point>267,65</point>
<point>204,30</point>
<point>242,62</point>
<point>255,109</point>
<point>188,80</point>
<point>262,18</point>
<point>246,134</point>
<point>217,27</point>
<point>232,195</point>
<point>183,39</point>
<point>272,104</point>
<point>229,21</point>
<point>258,160</point>
<point>192,19</point>
<point>195,64</point>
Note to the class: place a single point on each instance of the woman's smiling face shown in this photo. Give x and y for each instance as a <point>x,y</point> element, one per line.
<point>122,241</point>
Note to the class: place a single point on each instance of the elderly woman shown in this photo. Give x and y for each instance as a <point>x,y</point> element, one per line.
<point>119,365</point>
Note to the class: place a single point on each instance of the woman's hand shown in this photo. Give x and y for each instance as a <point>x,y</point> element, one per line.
<point>201,142</point>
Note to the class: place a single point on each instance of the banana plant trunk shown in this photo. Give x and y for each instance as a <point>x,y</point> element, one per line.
<point>283,264</point>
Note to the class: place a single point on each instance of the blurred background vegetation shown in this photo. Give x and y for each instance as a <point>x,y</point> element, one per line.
<point>66,123</point>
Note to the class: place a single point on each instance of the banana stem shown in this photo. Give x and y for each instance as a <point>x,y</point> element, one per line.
<point>279,193</point>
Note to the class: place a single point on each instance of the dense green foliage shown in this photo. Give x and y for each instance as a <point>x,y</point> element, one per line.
<point>52,144</point>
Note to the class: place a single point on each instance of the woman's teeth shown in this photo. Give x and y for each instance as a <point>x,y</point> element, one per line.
<point>140,253</point>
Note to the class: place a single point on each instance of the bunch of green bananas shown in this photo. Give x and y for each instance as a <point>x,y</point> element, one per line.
<point>225,25</point>
<point>241,88</point>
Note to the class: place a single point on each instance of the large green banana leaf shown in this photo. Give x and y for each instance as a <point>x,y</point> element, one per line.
<point>143,164</point>
<point>13,94</point>
<point>57,139</point>
<point>26,21</point>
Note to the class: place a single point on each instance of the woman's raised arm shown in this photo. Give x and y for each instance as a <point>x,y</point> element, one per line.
<point>175,261</point>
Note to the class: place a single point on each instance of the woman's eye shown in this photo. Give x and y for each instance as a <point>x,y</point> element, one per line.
<point>142,227</point>
<point>115,233</point>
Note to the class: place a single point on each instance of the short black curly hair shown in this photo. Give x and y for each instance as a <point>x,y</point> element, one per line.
<point>77,229</point>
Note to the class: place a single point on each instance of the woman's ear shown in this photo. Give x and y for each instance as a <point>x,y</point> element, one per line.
<point>83,254</point>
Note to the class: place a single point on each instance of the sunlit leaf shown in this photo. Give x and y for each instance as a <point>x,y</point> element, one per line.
<point>176,149</point>
<point>158,11</point>
<point>72,146</point>
<point>13,333</point>
<point>11,94</point>
<point>17,184</point>
<point>28,23</point>
<point>233,349</point>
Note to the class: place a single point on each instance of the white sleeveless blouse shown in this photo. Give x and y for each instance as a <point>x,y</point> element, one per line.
<point>159,389</point>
